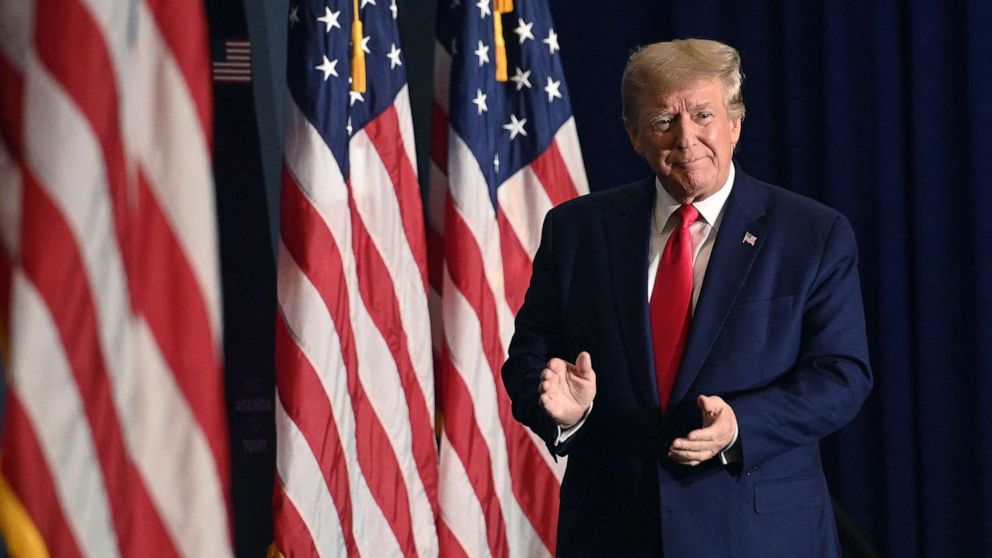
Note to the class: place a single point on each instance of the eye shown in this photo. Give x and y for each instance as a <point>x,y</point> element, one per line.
<point>660,125</point>
<point>704,115</point>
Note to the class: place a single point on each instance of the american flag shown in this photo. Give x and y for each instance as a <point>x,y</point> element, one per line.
<point>115,436</point>
<point>356,452</point>
<point>504,153</point>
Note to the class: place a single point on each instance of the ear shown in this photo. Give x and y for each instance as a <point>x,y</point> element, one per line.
<point>735,129</point>
<point>635,142</point>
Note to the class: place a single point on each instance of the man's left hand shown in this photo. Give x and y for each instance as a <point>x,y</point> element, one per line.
<point>719,428</point>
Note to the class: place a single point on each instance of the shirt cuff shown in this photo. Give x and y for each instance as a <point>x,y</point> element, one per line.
<point>566,433</point>
<point>731,453</point>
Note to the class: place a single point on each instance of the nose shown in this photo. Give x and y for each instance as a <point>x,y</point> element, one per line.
<point>685,133</point>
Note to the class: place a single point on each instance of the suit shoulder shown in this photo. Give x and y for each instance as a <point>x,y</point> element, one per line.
<point>605,202</point>
<point>798,207</point>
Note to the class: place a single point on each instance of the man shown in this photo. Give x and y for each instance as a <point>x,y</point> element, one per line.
<point>717,332</point>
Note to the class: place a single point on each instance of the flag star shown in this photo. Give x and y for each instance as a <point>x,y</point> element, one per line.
<point>330,19</point>
<point>515,126</point>
<point>366,3</point>
<point>356,97</point>
<point>294,15</point>
<point>329,67</point>
<point>480,101</point>
<point>552,41</point>
<point>520,78</point>
<point>483,53</point>
<point>348,127</point>
<point>483,6</point>
<point>392,8</point>
<point>365,45</point>
<point>394,57</point>
<point>552,89</point>
<point>524,30</point>
<point>496,162</point>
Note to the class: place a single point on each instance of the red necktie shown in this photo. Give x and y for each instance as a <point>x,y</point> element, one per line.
<point>671,303</point>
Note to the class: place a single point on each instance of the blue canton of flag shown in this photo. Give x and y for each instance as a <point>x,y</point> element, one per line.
<point>506,125</point>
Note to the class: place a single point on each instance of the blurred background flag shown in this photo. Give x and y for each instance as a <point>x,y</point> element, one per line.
<point>504,151</point>
<point>115,436</point>
<point>356,451</point>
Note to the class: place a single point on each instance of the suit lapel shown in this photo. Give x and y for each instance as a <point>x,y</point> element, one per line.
<point>628,232</point>
<point>728,267</point>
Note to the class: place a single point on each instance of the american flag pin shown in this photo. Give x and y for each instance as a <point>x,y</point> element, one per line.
<point>749,239</point>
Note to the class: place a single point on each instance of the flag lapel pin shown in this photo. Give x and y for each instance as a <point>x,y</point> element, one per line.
<point>749,239</point>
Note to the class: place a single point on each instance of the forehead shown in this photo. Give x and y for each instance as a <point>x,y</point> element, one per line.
<point>682,96</point>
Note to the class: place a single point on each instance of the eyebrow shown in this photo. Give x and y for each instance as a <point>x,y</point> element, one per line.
<point>665,113</point>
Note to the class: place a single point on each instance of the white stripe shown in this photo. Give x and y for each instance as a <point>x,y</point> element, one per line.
<point>312,326</point>
<point>171,451</point>
<point>405,116</point>
<point>303,483</point>
<point>460,508</point>
<point>524,201</point>
<point>168,141</point>
<point>567,138</point>
<point>113,19</point>
<point>376,202</point>
<point>469,361</point>
<point>37,364</point>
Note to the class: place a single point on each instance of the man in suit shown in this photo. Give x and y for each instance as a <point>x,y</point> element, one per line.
<point>717,332</point>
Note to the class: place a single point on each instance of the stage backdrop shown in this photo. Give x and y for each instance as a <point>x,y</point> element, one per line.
<point>877,109</point>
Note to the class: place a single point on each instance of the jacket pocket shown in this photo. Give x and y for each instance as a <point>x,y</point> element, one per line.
<point>788,494</point>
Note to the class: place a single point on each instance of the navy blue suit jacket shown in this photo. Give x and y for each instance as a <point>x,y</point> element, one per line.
<point>778,332</point>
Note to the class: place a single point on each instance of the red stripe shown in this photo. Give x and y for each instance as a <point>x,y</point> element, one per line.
<point>439,137</point>
<point>378,293</point>
<point>551,171</point>
<point>65,34</point>
<point>167,294</point>
<point>469,444</point>
<point>516,264</point>
<point>534,485</point>
<point>386,136</point>
<point>450,547</point>
<point>292,537</point>
<point>26,470</point>
<point>183,26</point>
<point>313,248</point>
<point>306,403</point>
<point>52,261</point>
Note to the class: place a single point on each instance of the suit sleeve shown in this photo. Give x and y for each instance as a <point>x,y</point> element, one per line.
<point>831,378</point>
<point>535,340</point>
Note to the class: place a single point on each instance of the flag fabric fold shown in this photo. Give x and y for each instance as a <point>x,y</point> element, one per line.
<point>115,432</point>
<point>356,451</point>
<point>503,154</point>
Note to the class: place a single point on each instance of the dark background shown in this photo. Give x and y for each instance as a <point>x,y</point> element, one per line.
<point>879,109</point>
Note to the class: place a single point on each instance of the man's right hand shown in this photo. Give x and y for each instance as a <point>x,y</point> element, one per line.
<point>567,389</point>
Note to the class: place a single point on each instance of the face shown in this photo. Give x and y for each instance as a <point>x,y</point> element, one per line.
<point>687,137</point>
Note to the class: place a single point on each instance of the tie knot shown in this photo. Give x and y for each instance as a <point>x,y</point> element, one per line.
<point>688,215</point>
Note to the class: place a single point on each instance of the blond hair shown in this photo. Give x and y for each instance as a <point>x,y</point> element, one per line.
<point>678,63</point>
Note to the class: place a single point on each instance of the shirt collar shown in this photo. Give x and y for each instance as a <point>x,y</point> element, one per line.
<point>711,208</point>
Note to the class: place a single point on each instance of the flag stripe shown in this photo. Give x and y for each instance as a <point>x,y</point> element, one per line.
<point>119,418</point>
<point>300,390</point>
<point>551,171</point>
<point>313,247</point>
<point>29,468</point>
<point>184,31</point>
<point>45,232</point>
<point>461,434</point>
<point>291,533</point>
